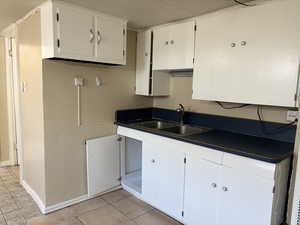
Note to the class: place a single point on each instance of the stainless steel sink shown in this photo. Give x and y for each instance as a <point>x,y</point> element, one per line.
<point>157,124</point>
<point>186,130</point>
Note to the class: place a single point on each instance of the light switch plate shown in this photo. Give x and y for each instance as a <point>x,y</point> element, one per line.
<point>291,115</point>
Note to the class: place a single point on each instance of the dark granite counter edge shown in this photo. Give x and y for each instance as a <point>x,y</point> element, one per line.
<point>209,145</point>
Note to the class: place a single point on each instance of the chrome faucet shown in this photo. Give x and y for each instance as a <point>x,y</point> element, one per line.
<point>180,110</point>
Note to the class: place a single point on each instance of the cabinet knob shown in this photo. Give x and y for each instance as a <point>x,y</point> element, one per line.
<point>243,43</point>
<point>214,185</point>
<point>166,43</point>
<point>146,54</point>
<point>153,160</point>
<point>225,189</point>
<point>172,42</point>
<point>233,45</point>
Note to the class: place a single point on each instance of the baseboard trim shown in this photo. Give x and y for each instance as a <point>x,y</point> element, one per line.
<point>65,204</point>
<point>77,200</point>
<point>7,163</point>
<point>34,196</point>
<point>52,208</point>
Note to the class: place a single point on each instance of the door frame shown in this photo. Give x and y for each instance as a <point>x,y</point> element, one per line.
<point>13,101</point>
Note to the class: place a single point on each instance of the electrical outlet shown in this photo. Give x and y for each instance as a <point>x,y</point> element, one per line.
<point>291,115</point>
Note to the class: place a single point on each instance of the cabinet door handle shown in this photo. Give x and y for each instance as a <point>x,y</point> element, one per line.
<point>225,189</point>
<point>99,37</point>
<point>92,35</point>
<point>214,185</point>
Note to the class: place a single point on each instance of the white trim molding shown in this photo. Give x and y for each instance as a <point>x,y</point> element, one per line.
<point>34,196</point>
<point>49,209</point>
<point>7,163</point>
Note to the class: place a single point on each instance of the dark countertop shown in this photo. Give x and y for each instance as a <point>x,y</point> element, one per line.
<point>258,148</point>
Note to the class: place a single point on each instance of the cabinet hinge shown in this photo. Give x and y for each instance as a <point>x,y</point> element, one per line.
<point>123,52</point>
<point>182,213</point>
<point>57,17</point>
<point>274,190</point>
<point>195,27</point>
<point>193,60</point>
<point>295,97</point>
<point>184,160</point>
<point>124,32</point>
<point>58,43</point>
<point>120,178</point>
<point>10,52</point>
<point>119,139</point>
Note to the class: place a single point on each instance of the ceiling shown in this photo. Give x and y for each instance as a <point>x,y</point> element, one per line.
<point>140,13</point>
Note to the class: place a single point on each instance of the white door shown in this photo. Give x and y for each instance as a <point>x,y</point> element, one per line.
<point>103,164</point>
<point>163,176</point>
<point>143,60</point>
<point>111,37</point>
<point>161,48</point>
<point>245,199</point>
<point>182,40</point>
<point>201,190</point>
<point>75,33</point>
<point>238,59</point>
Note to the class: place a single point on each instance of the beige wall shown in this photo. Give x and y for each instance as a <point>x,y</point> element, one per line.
<point>32,115</point>
<point>181,92</point>
<point>64,142</point>
<point>4,126</point>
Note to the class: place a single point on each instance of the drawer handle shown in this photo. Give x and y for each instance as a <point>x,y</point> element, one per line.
<point>243,43</point>
<point>233,45</point>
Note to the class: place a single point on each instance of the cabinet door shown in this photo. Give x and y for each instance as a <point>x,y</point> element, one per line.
<point>242,61</point>
<point>161,48</point>
<point>75,33</point>
<point>163,176</point>
<point>246,198</point>
<point>182,40</point>
<point>143,60</point>
<point>103,164</point>
<point>201,190</point>
<point>111,37</point>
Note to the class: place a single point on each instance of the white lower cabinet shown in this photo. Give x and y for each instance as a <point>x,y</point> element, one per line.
<point>244,199</point>
<point>201,192</point>
<point>163,177</point>
<point>240,191</point>
<point>201,186</point>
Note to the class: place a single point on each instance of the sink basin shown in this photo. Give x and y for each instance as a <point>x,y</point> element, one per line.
<point>157,124</point>
<point>186,130</point>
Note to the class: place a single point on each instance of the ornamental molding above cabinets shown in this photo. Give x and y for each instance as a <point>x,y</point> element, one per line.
<point>75,33</point>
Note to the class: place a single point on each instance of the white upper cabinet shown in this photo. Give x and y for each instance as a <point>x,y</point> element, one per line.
<point>244,60</point>
<point>75,28</point>
<point>173,46</point>
<point>111,37</point>
<point>76,33</point>
<point>149,82</point>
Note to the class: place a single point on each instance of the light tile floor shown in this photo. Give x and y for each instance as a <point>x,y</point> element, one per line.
<point>115,208</point>
<point>16,206</point>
